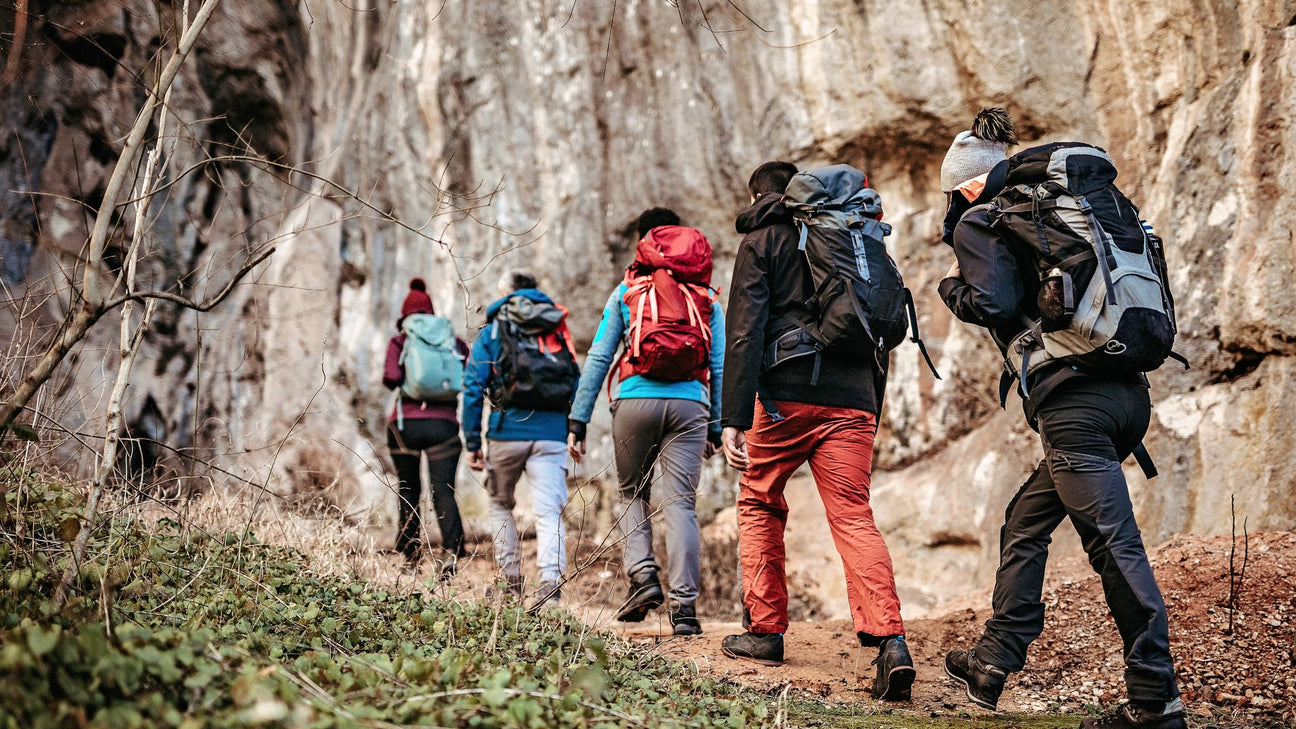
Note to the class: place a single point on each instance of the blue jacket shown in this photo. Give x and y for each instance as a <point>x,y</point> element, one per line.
<point>602,357</point>
<point>479,373</point>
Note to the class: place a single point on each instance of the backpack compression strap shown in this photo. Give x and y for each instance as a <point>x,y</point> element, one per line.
<point>916,338</point>
<point>1145,461</point>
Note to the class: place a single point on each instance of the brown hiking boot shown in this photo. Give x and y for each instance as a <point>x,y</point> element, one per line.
<point>763,648</point>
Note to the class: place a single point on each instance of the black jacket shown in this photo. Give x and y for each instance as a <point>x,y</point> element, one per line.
<point>998,285</point>
<point>770,290</point>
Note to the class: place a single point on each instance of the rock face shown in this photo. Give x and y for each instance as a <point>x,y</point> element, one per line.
<point>455,141</point>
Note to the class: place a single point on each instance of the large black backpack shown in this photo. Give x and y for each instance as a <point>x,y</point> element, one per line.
<point>536,369</point>
<point>862,307</point>
<point>1104,298</point>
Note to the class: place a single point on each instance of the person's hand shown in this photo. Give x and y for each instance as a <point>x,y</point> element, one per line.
<point>735,448</point>
<point>576,439</point>
<point>714,443</point>
<point>954,271</point>
<point>576,448</point>
<point>476,461</point>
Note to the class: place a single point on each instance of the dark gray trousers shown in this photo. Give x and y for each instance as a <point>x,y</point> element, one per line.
<point>1088,427</point>
<point>668,436</point>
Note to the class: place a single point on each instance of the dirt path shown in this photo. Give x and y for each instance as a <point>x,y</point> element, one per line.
<point>822,661</point>
<point>1243,675</point>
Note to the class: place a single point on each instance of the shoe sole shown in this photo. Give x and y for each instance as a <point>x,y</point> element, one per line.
<point>750,659</point>
<point>629,612</point>
<point>686,631</point>
<point>899,684</point>
<point>967,688</point>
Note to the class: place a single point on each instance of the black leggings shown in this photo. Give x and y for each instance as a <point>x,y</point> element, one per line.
<point>407,446</point>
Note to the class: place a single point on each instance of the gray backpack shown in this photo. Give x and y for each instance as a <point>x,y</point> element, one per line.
<point>862,307</point>
<point>1104,300</point>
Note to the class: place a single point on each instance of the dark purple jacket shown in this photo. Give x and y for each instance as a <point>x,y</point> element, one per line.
<point>394,376</point>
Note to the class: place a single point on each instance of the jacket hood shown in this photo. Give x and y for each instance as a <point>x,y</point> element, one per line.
<point>535,295</point>
<point>766,211</point>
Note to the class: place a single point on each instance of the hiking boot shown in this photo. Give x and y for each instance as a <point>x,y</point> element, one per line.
<point>684,620</point>
<point>449,564</point>
<point>983,681</point>
<point>1129,716</point>
<point>644,596</point>
<point>547,595</point>
<point>763,648</point>
<point>895,671</point>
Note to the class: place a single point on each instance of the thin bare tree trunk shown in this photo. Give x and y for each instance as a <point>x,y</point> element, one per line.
<point>19,38</point>
<point>130,344</point>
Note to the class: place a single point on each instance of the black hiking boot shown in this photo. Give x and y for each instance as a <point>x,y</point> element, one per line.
<point>895,671</point>
<point>1129,716</point>
<point>684,620</point>
<point>763,648</point>
<point>644,596</point>
<point>983,681</point>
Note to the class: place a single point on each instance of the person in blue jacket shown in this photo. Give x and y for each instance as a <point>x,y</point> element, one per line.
<point>672,426</point>
<point>526,431</point>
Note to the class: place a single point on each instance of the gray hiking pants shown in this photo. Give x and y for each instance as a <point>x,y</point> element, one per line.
<point>670,435</point>
<point>545,464</point>
<point>1088,427</point>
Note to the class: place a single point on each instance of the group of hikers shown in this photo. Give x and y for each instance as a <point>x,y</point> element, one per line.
<point>1050,257</point>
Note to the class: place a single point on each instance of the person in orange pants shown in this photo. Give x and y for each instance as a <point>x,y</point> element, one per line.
<point>821,408</point>
<point>838,443</point>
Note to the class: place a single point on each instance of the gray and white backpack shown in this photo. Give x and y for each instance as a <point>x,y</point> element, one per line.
<point>1104,300</point>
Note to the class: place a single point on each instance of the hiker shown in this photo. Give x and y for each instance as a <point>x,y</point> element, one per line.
<point>1031,270</point>
<point>665,396</point>
<point>818,402</point>
<point>523,363</point>
<point>425,367</point>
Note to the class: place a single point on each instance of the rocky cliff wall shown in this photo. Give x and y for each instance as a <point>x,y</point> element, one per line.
<point>468,138</point>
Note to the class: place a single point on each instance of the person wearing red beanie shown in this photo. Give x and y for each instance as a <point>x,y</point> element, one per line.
<point>414,429</point>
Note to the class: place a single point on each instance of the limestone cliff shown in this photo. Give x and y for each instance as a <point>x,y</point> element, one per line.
<point>528,133</point>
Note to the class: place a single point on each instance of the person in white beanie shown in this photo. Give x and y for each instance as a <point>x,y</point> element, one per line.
<point>967,168</point>
<point>1089,421</point>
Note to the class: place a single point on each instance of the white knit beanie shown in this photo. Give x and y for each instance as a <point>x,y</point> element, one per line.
<point>969,157</point>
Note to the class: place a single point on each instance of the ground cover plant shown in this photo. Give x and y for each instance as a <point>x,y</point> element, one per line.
<point>175,626</point>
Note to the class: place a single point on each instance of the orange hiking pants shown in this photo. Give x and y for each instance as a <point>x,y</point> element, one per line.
<point>838,443</point>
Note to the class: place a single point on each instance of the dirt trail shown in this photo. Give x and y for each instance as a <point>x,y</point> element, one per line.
<point>1242,677</point>
<point>822,661</point>
<point>1245,676</point>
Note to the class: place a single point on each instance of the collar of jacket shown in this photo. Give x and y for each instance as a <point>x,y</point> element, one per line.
<point>535,295</point>
<point>766,211</point>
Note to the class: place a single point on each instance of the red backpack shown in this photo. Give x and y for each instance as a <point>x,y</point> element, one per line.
<point>669,296</point>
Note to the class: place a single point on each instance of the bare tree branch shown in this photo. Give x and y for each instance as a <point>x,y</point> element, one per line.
<point>204,305</point>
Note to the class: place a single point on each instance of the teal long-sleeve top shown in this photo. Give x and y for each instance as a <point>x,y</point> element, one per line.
<point>602,356</point>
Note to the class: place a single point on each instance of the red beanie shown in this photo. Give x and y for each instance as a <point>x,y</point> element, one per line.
<point>417,301</point>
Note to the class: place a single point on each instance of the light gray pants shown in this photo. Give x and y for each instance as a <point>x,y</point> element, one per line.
<point>670,435</point>
<point>545,464</point>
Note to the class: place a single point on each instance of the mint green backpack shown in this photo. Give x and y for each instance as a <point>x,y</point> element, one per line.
<point>433,366</point>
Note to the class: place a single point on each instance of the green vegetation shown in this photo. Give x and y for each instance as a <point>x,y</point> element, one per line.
<point>806,714</point>
<point>174,627</point>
